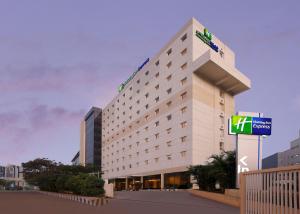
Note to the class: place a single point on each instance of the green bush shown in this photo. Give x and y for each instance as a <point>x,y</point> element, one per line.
<point>92,186</point>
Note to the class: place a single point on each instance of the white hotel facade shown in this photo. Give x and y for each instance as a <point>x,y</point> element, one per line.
<point>172,114</point>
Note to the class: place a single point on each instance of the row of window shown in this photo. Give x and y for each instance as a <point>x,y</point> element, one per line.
<point>147,162</point>
<point>183,139</point>
<point>156,124</point>
<point>168,65</point>
<point>183,81</point>
<point>183,110</point>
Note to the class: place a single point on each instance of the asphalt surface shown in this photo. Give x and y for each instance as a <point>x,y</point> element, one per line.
<point>143,202</point>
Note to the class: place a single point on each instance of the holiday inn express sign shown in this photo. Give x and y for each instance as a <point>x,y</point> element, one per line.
<point>206,37</point>
<point>250,125</point>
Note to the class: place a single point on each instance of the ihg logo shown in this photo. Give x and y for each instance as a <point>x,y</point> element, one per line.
<point>242,124</point>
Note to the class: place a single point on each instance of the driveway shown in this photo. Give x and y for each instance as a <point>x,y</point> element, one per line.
<point>142,202</point>
<point>154,202</point>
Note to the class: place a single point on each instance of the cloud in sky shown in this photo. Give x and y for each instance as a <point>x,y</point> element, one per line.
<point>18,129</point>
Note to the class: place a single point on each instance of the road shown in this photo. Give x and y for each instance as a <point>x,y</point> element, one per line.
<point>143,202</point>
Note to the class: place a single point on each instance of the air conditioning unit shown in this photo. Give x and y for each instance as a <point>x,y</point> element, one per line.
<point>222,101</point>
<point>222,114</point>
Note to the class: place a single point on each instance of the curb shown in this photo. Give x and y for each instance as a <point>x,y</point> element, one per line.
<point>92,201</point>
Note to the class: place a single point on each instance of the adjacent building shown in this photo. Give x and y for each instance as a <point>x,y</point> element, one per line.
<point>90,138</point>
<point>75,161</point>
<point>2,171</point>
<point>172,112</point>
<point>285,158</point>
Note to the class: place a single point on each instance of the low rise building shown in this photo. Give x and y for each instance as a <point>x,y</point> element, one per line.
<point>75,160</point>
<point>286,158</point>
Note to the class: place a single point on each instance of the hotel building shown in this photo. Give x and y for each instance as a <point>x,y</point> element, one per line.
<point>172,112</point>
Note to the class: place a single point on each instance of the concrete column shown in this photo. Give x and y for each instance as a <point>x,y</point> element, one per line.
<point>142,182</point>
<point>126,183</point>
<point>162,181</point>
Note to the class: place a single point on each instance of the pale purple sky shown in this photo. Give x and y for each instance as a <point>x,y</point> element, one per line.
<point>60,57</point>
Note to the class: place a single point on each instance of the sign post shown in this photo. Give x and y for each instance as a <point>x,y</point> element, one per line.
<point>249,127</point>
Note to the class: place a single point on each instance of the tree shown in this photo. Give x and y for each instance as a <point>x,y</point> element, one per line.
<point>221,168</point>
<point>57,177</point>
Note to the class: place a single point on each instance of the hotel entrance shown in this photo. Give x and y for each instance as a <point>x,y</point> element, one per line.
<point>152,182</point>
<point>177,180</point>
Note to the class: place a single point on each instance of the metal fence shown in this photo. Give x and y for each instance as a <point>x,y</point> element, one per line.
<point>271,191</point>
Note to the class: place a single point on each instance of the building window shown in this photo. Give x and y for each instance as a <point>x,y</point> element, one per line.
<point>157,75</point>
<point>169,117</point>
<point>130,88</point>
<point>156,99</point>
<point>183,52</point>
<point>169,64</point>
<point>147,72</point>
<point>169,143</point>
<point>183,124</point>
<point>137,153</point>
<point>169,77</point>
<point>183,95</point>
<point>156,160</point>
<point>169,91</point>
<point>156,147</point>
<point>146,162</point>
<point>146,151</point>
<point>183,37</point>
<point>169,103</point>
<point>169,51</point>
<point>183,109</point>
<point>156,135</point>
<point>137,143</point>
<point>169,130</point>
<point>146,128</point>
<point>147,95</point>
<point>156,111</point>
<point>138,102</point>
<point>157,63</point>
<point>222,146</point>
<point>138,112</point>
<point>138,81</point>
<point>183,81</point>
<point>169,157</point>
<point>147,106</point>
<point>130,98</point>
<point>146,140</point>
<point>147,117</point>
<point>157,87</point>
<point>183,139</point>
<point>147,83</point>
<point>184,66</point>
<point>156,124</point>
<point>130,107</point>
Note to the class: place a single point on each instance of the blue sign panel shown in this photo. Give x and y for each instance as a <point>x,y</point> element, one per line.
<point>261,126</point>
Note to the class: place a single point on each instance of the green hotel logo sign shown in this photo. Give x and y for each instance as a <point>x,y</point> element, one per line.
<point>206,37</point>
<point>122,86</point>
<point>250,125</point>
